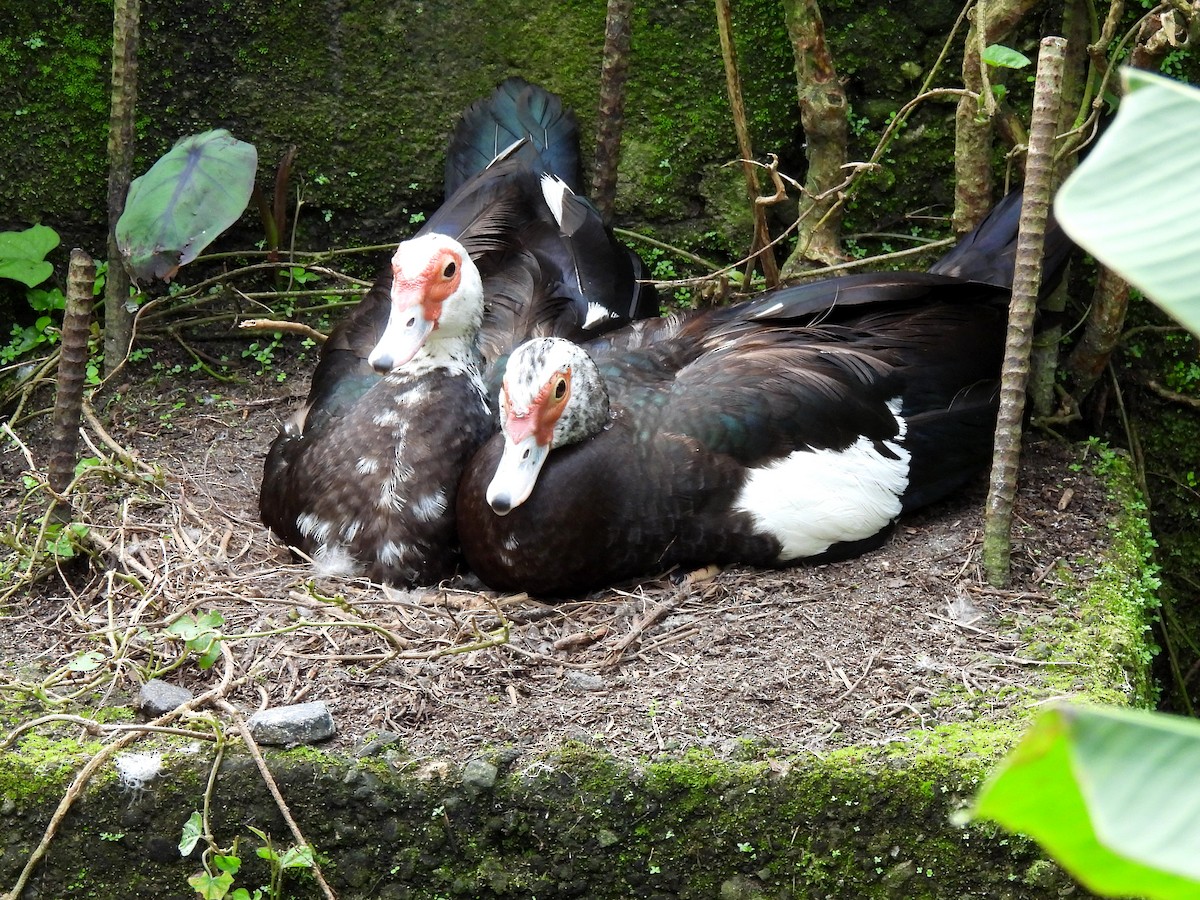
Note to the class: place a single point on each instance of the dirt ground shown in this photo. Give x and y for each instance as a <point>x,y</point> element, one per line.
<point>806,659</point>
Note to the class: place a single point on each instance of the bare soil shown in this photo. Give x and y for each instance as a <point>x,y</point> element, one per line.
<point>805,659</point>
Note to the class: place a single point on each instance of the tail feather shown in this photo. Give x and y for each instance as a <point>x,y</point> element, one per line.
<point>487,210</point>
<point>515,110</point>
<point>988,253</point>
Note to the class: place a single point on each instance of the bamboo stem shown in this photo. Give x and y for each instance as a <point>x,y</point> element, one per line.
<point>72,371</point>
<point>1027,279</point>
<point>118,320</point>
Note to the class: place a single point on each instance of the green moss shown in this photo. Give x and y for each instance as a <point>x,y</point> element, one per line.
<point>41,766</point>
<point>55,62</point>
<point>1102,637</point>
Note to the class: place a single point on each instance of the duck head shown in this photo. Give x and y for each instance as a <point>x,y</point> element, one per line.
<point>553,395</point>
<point>436,296</point>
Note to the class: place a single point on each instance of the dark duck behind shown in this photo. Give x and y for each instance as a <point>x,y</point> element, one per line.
<point>795,426</point>
<point>363,477</point>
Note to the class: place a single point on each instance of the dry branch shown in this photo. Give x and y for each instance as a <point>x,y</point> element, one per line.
<point>760,245</point>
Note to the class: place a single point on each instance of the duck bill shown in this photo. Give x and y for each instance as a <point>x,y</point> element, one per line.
<point>405,334</point>
<point>516,474</point>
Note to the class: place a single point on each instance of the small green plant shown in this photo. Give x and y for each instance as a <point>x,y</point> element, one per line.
<point>215,882</point>
<point>264,355</point>
<point>201,635</point>
<point>1002,57</point>
<point>23,259</point>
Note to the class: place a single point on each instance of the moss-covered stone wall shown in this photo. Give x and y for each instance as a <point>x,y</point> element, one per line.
<point>575,824</point>
<point>369,92</point>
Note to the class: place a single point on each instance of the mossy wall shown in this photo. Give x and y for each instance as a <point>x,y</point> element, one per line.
<point>369,92</point>
<point>575,824</point>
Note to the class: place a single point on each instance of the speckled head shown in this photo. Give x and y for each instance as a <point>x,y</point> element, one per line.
<point>553,395</point>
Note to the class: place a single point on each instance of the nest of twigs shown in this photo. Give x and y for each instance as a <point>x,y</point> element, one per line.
<point>166,532</point>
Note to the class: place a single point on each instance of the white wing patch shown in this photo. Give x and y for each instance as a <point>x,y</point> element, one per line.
<point>596,314</point>
<point>553,190</point>
<point>813,499</point>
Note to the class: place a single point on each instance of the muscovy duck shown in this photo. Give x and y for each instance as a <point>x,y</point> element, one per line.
<point>362,478</point>
<point>796,426</point>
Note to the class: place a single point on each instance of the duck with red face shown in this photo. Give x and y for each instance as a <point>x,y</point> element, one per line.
<point>793,427</point>
<point>363,478</point>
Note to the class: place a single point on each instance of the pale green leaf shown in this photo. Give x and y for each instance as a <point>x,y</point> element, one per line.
<point>1004,57</point>
<point>192,194</point>
<point>298,857</point>
<point>193,830</point>
<point>227,862</point>
<point>1113,795</point>
<point>23,253</point>
<point>86,662</point>
<point>1131,203</point>
<point>211,887</point>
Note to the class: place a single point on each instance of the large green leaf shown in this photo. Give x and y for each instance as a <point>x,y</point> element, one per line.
<point>1113,795</point>
<point>1132,203</point>
<point>192,194</point>
<point>23,254</point>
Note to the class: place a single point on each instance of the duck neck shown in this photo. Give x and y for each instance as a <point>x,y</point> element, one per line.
<point>456,354</point>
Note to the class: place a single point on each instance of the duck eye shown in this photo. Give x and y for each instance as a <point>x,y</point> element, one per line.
<point>560,390</point>
<point>448,272</point>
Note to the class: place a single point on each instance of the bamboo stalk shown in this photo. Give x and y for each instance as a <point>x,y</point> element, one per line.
<point>72,371</point>
<point>118,320</point>
<point>1027,279</point>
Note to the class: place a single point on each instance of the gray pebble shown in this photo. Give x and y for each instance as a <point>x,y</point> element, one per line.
<point>158,698</point>
<point>301,723</point>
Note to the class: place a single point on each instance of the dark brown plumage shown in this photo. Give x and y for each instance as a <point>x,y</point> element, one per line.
<point>794,426</point>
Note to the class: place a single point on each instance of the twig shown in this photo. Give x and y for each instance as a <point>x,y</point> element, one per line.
<point>281,325</point>
<point>127,458</point>
<point>850,690</point>
<point>97,728</point>
<point>1174,396</point>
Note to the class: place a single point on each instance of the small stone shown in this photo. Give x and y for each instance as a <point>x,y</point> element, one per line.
<point>300,723</point>
<point>584,681</point>
<point>157,698</point>
<point>478,776</point>
<point>739,887</point>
